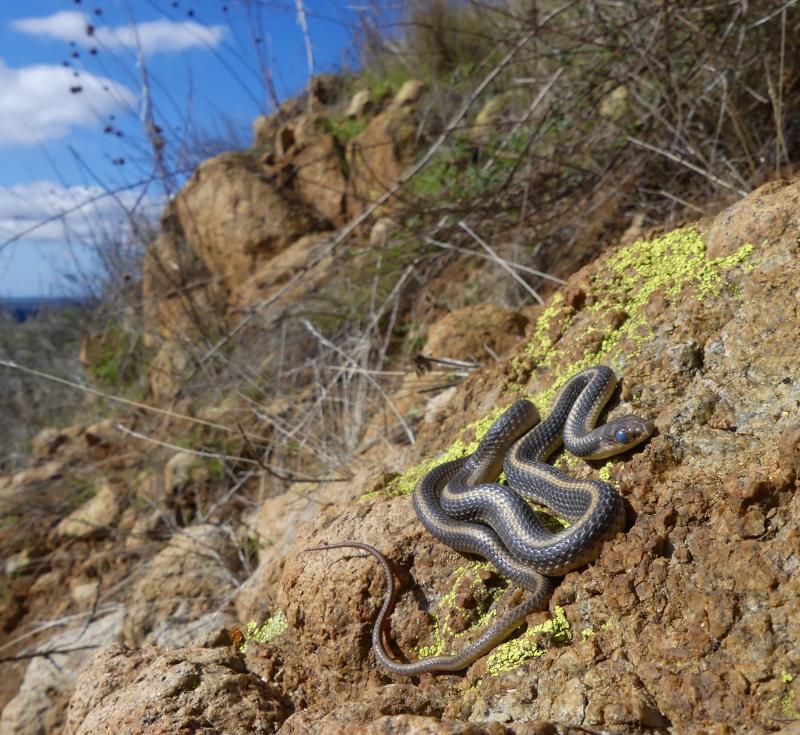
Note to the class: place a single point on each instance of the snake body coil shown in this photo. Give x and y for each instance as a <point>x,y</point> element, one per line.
<point>462,506</point>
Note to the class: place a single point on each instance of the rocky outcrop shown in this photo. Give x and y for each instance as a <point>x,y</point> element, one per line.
<point>232,217</point>
<point>184,690</point>
<point>687,619</point>
<point>183,593</point>
<point>687,622</point>
<point>49,681</point>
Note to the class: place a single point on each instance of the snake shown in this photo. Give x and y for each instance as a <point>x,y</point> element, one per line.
<point>461,505</point>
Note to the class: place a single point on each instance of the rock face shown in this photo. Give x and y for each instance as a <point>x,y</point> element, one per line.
<point>39,707</point>
<point>232,216</point>
<point>185,690</point>
<point>188,579</point>
<point>689,619</point>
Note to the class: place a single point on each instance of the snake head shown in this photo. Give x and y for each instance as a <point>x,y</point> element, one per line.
<point>622,434</point>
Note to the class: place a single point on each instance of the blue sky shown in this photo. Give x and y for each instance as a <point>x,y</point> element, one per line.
<point>71,97</point>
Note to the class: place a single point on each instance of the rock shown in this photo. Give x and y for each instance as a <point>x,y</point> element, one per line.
<point>275,526</point>
<point>764,216</point>
<point>45,690</point>
<point>150,690</point>
<point>168,371</point>
<point>325,88</point>
<point>475,333</point>
<point>85,594</point>
<point>406,725</point>
<point>381,231</point>
<point>264,130</point>
<point>233,218</point>
<point>176,286</point>
<point>436,405</point>
<point>191,576</point>
<point>96,516</point>
<point>614,105</point>
<point>318,177</point>
<point>377,156</point>
<point>184,467</point>
<point>17,562</point>
<point>41,473</point>
<point>408,94</point>
<point>47,442</point>
<point>291,265</point>
<point>358,104</point>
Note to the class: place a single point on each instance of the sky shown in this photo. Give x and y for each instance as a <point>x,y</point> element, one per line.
<point>74,158</point>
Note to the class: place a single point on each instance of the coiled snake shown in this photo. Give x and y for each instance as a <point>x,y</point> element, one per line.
<point>461,505</point>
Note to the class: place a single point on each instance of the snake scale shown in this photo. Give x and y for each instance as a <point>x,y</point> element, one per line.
<point>461,505</point>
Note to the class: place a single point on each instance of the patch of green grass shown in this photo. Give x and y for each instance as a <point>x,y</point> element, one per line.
<point>115,363</point>
<point>343,130</point>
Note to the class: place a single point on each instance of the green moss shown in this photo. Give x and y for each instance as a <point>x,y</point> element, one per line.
<point>274,626</point>
<point>532,644</point>
<point>787,678</point>
<point>587,633</point>
<point>342,130</point>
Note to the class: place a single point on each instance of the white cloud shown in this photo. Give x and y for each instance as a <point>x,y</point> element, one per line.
<point>36,103</point>
<point>48,212</point>
<point>152,36</point>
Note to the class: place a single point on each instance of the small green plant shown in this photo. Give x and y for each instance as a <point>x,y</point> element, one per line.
<point>342,130</point>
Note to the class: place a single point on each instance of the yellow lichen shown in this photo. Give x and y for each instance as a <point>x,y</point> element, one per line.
<point>624,286</point>
<point>442,631</point>
<point>788,706</point>
<point>531,644</point>
<point>267,631</point>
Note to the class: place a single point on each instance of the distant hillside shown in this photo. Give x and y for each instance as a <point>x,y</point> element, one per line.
<point>25,307</point>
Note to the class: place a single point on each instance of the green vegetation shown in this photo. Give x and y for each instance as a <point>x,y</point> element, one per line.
<point>114,359</point>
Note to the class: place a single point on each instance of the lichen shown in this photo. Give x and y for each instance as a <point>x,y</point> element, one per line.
<point>620,290</point>
<point>267,631</point>
<point>404,484</point>
<point>531,644</point>
<point>470,574</point>
<point>788,706</point>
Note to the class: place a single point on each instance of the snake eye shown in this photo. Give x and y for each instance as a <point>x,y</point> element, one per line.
<point>621,436</point>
